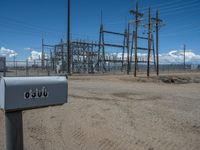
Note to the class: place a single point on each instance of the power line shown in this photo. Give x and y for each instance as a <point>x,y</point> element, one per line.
<point>28,26</point>
<point>171,5</point>
<point>163,4</point>
<point>177,9</point>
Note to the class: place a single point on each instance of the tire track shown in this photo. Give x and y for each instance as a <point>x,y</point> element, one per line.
<point>80,138</point>
<point>107,144</point>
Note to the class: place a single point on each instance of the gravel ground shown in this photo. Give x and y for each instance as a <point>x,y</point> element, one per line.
<point>119,113</point>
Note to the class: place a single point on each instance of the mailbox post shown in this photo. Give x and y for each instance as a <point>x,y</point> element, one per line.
<point>14,130</point>
<point>23,93</point>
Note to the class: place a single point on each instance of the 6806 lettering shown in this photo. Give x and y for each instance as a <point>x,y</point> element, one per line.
<point>36,93</point>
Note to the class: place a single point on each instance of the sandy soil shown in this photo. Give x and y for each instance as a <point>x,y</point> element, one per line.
<point>119,113</point>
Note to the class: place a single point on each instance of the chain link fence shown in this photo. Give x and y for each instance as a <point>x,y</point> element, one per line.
<point>35,68</point>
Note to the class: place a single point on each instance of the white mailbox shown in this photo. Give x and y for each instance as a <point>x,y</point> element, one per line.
<point>20,93</point>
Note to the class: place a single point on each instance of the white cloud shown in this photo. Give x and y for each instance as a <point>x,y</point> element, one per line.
<point>173,57</point>
<point>35,55</point>
<point>7,52</point>
<point>177,56</point>
<point>28,49</point>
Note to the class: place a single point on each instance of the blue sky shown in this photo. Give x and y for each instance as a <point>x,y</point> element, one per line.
<point>23,23</point>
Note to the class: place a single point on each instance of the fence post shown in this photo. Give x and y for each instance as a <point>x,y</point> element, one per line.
<point>15,68</point>
<point>27,73</point>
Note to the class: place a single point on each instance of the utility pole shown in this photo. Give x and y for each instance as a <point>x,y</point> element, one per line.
<point>137,15</point>
<point>68,41</point>
<point>158,23</point>
<point>42,60</point>
<point>136,30</point>
<point>124,46</point>
<point>157,57</point>
<point>128,50</point>
<point>149,41</point>
<point>184,48</point>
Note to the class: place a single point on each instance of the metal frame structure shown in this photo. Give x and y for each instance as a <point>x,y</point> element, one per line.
<point>102,60</point>
<point>90,57</point>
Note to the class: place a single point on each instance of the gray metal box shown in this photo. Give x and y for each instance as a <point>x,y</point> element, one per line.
<point>20,93</point>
